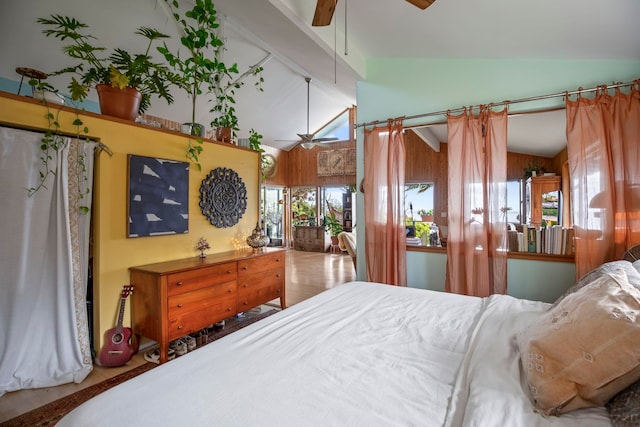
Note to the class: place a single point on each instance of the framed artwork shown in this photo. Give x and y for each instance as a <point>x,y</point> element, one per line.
<point>158,194</point>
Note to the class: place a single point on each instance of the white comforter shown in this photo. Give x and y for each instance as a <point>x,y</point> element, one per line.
<point>360,354</point>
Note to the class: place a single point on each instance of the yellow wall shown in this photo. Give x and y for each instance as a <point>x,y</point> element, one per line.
<point>114,252</point>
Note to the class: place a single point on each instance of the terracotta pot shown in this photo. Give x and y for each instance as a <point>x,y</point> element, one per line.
<point>121,103</point>
<point>223,134</point>
<point>427,218</point>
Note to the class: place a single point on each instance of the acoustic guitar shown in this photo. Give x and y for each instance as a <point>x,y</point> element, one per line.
<point>117,349</point>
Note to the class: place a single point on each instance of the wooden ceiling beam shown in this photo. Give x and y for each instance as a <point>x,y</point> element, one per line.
<point>422,4</point>
<point>324,12</point>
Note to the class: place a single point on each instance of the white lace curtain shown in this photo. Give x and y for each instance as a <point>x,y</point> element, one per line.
<point>44,337</point>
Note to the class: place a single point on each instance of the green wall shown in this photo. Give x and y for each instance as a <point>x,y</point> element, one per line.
<point>408,86</point>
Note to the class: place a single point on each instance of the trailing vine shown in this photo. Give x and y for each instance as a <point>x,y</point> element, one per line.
<point>53,141</point>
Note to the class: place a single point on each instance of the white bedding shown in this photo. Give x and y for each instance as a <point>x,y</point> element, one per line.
<point>361,354</point>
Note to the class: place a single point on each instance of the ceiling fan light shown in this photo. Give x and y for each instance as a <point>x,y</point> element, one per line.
<point>307,145</point>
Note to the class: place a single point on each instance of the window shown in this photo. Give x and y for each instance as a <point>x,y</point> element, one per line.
<point>272,211</point>
<point>339,128</point>
<point>303,205</point>
<point>514,208</point>
<point>418,201</point>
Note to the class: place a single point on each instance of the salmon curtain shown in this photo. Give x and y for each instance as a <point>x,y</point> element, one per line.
<point>477,235</point>
<point>603,138</point>
<point>384,164</point>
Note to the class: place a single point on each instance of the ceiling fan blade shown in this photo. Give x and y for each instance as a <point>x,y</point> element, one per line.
<point>325,139</point>
<point>324,12</point>
<point>422,4</point>
<point>306,137</point>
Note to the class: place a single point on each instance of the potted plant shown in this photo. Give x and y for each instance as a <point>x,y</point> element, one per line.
<point>426,216</point>
<point>533,169</point>
<point>199,36</point>
<point>132,78</point>
<point>334,226</point>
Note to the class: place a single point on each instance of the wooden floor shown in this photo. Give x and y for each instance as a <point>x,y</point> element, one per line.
<point>308,273</point>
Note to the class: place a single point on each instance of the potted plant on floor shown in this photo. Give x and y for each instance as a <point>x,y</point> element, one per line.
<point>334,226</point>
<point>131,78</point>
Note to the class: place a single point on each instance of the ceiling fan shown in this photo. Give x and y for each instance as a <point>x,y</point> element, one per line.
<point>307,139</point>
<point>325,9</point>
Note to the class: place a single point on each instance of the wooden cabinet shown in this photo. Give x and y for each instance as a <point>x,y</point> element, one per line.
<point>313,239</point>
<point>540,185</point>
<point>260,280</point>
<point>175,298</point>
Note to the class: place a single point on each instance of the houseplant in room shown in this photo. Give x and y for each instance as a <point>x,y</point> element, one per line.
<point>131,78</point>
<point>198,26</point>
<point>203,69</point>
<point>334,226</point>
<point>426,215</point>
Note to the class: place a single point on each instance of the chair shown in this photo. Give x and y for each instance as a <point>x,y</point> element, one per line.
<point>347,243</point>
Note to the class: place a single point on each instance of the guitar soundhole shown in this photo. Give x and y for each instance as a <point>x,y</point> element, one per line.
<point>117,338</point>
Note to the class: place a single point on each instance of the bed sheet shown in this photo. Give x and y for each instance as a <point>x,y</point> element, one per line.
<point>490,389</point>
<point>360,354</point>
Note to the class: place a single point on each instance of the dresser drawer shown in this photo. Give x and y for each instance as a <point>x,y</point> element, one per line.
<point>188,323</point>
<point>194,279</point>
<point>202,298</point>
<point>260,288</point>
<point>261,263</point>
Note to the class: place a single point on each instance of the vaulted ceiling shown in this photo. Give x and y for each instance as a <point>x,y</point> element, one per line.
<point>281,31</point>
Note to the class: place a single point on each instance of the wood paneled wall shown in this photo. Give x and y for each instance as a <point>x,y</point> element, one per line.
<point>298,167</point>
<point>423,164</point>
<point>302,167</point>
<point>281,177</point>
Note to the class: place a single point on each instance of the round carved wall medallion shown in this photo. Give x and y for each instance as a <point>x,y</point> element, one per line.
<point>223,197</point>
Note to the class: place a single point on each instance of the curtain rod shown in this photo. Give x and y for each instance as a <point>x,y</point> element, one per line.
<point>515,101</point>
<point>99,145</point>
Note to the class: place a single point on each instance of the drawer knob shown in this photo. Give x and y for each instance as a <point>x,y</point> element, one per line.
<point>278,275</point>
<point>179,326</point>
<point>245,268</point>
<point>179,283</point>
<point>228,271</point>
<point>229,309</point>
<point>229,290</point>
<point>277,259</point>
<point>179,305</point>
<point>245,303</point>
<point>278,291</point>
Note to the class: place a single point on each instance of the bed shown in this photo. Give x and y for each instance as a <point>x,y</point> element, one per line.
<point>360,354</point>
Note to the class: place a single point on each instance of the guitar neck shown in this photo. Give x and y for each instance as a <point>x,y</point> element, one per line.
<point>123,301</point>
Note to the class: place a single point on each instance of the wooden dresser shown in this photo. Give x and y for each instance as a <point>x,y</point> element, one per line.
<point>175,298</point>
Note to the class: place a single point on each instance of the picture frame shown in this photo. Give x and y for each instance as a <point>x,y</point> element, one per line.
<point>158,196</point>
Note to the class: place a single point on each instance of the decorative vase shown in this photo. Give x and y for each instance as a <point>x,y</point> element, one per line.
<point>121,103</point>
<point>258,240</point>
<point>223,134</point>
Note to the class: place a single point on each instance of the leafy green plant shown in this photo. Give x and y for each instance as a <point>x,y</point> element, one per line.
<point>119,69</point>
<point>202,66</point>
<point>53,141</point>
<point>333,225</point>
<point>255,141</point>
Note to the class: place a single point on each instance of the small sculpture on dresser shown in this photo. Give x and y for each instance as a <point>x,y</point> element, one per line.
<point>258,240</point>
<point>202,246</point>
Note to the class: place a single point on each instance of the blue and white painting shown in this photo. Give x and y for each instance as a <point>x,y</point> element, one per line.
<point>158,196</point>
